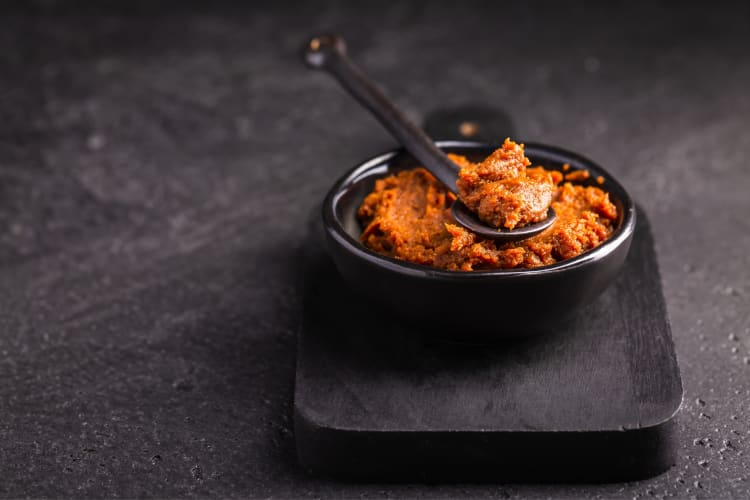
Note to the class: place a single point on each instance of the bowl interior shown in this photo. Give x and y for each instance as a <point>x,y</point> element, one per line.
<point>349,192</point>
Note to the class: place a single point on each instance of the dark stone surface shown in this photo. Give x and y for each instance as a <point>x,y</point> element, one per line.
<point>157,164</point>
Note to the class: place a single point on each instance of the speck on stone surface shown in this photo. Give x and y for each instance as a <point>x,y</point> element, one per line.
<point>591,64</point>
<point>197,472</point>
<point>183,385</point>
<point>95,142</point>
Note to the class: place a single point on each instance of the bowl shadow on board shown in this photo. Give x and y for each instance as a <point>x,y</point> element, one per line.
<point>479,306</point>
<point>358,333</point>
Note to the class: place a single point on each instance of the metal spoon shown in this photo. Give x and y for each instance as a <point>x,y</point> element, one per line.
<point>328,52</point>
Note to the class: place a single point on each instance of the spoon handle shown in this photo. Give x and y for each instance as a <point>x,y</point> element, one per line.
<point>328,52</point>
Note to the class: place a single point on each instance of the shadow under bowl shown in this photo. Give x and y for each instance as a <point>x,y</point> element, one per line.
<point>472,305</point>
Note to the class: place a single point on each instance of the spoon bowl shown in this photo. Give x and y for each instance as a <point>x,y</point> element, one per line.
<point>470,221</point>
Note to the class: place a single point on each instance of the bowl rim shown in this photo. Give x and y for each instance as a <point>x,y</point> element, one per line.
<point>335,229</point>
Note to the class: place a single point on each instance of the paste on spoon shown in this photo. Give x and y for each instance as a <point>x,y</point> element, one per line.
<point>502,192</point>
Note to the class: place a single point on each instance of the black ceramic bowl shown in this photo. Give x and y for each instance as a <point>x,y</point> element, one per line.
<point>478,304</point>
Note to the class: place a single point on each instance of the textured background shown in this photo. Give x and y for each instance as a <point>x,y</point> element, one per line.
<point>157,165</point>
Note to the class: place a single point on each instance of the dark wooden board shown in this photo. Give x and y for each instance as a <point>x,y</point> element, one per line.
<point>592,401</point>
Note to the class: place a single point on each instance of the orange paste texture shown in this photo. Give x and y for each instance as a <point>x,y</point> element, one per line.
<point>407,216</point>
